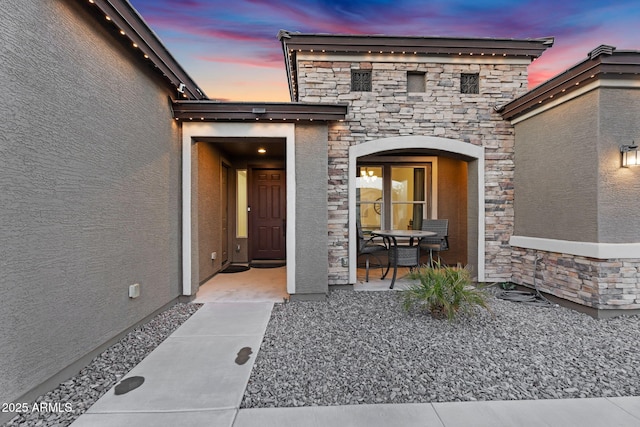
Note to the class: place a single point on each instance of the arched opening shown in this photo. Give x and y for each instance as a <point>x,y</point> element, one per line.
<point>438,173</point>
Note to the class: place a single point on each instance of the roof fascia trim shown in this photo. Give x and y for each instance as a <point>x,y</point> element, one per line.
<point>621,65</point>
<point>210,110</point>
<point>128,20</point>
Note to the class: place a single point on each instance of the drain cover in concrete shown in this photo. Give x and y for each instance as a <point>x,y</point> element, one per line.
<point>129,384</point>
<point>243,355</point>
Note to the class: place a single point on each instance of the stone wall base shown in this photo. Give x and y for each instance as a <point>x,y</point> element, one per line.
<point>590,311</point>
<point>604,285</point>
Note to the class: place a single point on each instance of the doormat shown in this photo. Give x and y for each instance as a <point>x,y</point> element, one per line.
<point>267,263</point>
<point>235,268</point>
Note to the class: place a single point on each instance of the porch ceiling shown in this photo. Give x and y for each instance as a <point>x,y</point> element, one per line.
<point>247,148</point>
<point>412,152</point>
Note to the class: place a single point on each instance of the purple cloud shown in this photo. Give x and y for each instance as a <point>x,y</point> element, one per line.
<point>242,33</point>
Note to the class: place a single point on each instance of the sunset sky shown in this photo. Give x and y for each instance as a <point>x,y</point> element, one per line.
<point>229,47</point>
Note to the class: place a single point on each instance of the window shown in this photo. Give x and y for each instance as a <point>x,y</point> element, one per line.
<point>416,82</point>
<point>361,80</point>
<point>393,196</point>
<point>241,204</point>
<point>469,83</point>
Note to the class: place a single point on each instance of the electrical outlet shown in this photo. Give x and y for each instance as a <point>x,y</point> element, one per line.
<point>214,255</point>
<point>134,290</point>
<point>345,262</point>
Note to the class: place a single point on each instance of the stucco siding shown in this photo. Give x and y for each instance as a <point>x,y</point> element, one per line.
<point>452,205</point>
<point>556,172</point>
<point>89,191</point>
<point>587,201</point>
<point>618,188</point>
<point>209,206</point>
<point>312,221</point>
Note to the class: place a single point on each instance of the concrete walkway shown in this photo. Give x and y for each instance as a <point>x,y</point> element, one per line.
<point>194,379</point>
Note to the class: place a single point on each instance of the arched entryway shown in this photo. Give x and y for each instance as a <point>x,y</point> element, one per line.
<point>425,147</point>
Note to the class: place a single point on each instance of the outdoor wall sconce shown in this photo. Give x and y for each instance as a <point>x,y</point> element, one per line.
<point>629,155</point>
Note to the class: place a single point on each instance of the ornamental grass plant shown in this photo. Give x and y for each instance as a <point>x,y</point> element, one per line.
<point>444,291</point>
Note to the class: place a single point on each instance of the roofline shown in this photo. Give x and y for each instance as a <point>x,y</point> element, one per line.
<point>128,23</point>
<point>427,43</point>
<point>603,62</point>
<point>211,110</point>
<point>293,42</point>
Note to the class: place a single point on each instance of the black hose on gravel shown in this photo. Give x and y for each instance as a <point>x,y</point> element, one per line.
<point>528,298</point>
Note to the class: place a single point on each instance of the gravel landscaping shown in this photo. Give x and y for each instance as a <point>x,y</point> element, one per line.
<point>362,347</point>
<point>105,370</point>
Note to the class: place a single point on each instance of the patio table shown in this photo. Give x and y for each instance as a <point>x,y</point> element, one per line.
<point>402,255</point>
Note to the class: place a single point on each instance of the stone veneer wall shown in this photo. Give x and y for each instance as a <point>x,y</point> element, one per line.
<point>596,283</point>
<point>441,111</point>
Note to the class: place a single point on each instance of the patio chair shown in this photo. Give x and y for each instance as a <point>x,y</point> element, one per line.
<point>439,242</point>
<point>368,248</point>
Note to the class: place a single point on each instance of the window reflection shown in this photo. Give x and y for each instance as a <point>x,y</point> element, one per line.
<point>369,197</point>
<point>401,194</point>
<point>408,197</point>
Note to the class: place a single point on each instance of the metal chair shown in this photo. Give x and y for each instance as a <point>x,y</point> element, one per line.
<point>368,248</point>
<point>439,242</point>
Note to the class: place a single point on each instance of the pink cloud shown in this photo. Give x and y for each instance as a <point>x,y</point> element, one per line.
<point>266,61</point>
<point>206,28</point>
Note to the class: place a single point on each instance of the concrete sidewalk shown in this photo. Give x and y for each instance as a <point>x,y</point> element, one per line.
<point>192,379</point>
<point>622,411</point>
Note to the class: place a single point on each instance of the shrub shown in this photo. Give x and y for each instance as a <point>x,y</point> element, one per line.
<point>444,291</point>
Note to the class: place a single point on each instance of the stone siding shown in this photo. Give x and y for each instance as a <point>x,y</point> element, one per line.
<point>596,283</point>
<point>441,111</point>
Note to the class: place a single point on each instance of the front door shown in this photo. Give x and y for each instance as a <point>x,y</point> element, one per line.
<point>268,214</point>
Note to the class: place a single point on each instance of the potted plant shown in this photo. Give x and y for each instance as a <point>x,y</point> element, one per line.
<point>444,291</point>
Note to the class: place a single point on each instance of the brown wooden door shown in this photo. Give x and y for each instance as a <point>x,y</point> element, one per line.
<point>268,214</point>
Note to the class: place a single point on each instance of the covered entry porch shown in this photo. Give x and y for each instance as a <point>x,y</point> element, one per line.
<point>299,132</point>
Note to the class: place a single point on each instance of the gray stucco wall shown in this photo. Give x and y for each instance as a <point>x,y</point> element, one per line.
<point>618,188</point>
<point>311,209</point>
<point>556,172</point>
<point>209,199</point>
<point>89,190</point>
<point>452,205</point>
